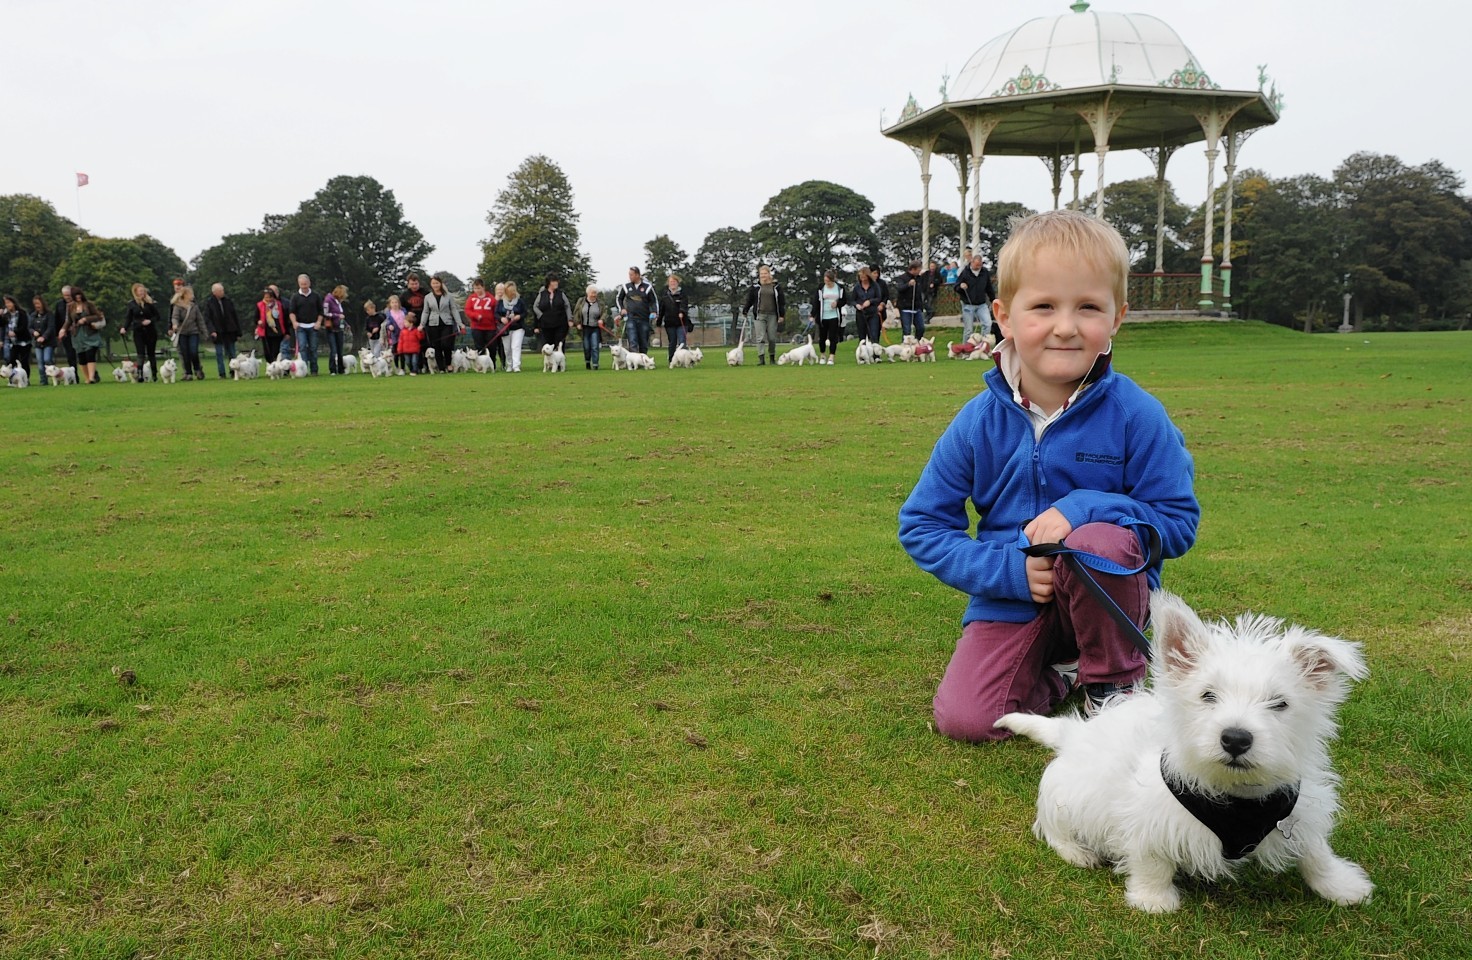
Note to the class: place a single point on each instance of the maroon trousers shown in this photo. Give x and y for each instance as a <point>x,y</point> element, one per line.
<point>1000,668</point>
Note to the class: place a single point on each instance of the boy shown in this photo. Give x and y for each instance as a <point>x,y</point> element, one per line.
<point>410,345</point>
<point>373,326</point>
<point>1057,449</point>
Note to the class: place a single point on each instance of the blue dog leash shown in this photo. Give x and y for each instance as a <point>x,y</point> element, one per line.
<point>1080,562</point>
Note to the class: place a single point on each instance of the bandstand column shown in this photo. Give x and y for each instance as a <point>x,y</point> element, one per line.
<point>1161,156</point>
<point>923,152</point>
<point>1100,118</point>
<point>1078,170</point>
<point>1235,140</point>
<point>978,128</point>
<point>1213,122</point>
<point>963,169</point>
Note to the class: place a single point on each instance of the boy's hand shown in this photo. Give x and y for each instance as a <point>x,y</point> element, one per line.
<point>1050,526</point>
<point>1040,578</point>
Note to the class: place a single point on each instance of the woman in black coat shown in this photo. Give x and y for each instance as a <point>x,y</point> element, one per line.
<point>143,319</point>
<point>551,313</point>
<point>674,314</point>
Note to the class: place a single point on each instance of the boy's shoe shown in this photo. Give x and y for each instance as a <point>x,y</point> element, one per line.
<point>1069,673</point>
<point>1098,695</point>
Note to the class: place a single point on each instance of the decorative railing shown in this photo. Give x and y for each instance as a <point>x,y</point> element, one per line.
<point>1174,292</point>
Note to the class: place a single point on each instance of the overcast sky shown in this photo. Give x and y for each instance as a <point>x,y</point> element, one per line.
<point>195,119</point>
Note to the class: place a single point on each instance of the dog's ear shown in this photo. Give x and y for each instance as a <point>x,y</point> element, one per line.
<point>1179,633</point>
<point>1326,661</point>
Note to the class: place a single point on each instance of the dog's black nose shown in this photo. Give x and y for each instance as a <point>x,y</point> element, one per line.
<point>1236,741</point>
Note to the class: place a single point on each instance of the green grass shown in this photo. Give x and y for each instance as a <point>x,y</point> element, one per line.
<point>632,665</point>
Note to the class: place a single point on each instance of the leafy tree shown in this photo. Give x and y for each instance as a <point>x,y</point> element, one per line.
<point>725,265</point>
<point>996,225</point>
<point>662,257</point>
<point>162,262</point>
<point>452,283</point>
<point>247,262</point>
<point>106,270</point>
<point>1409,230</point>
<point>353,232</point>
<point>814,226</point>
<point>534,230</point>
<point>1132,206</point>
<point>899,235</point>
<point>1297,258</point>
<point>34,238</point>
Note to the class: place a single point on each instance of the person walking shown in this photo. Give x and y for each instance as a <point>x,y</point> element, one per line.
<point>272,324</point>
<point>480,311</point>
<point>43,336</point>
<point>674,314</point>
<point>511,314</point>
<point>767,304</point>
<point>17,325</point>
<point>223,325</point>
<point>306,320</point>
<point>910,294</point>
<point>638,306</point>
<point>868,304</point>
<point>828,303</point>
<point>334,323</point>
<point>440,322</point>
<point>187,322</point>
<point>142,319</point>
<point>975,288</point>
<point>589,314</point>
<point>552,312</point>
<point>86,324</point>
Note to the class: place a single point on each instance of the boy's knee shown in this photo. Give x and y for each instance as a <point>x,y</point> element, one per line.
<point>967,722</point>
<point>1109,540</point>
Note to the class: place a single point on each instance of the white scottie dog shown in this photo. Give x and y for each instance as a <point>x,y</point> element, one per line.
<point>685,358</point>
<point>1224,761</point>
<point>168,371</point>
<point>553,359</point>
<point>460,361</point>
<point>801,356</point>
<point>736,356</point>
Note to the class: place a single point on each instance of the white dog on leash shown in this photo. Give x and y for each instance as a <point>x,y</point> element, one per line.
<point>801,356</point>
<point>553,359</point>
<point>168,371</point>
<point>60,376</point>
<point>685,358</point>
<point>14,374</point>
<point>1226,760</point>
<point>380,367</point>
<point>736,356</point>
<point>460,361</point>
<point>484,362</point>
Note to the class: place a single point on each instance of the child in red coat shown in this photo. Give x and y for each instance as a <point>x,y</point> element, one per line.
<point>410,345</point>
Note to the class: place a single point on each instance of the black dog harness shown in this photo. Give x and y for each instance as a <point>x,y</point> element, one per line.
<point>1240,823</point>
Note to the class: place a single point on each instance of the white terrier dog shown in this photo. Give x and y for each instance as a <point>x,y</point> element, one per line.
<point>60,376</point>
<point>15,374</point>
<point>429,361</point>
<point>625,359</point>
<point>460,361</point>
<point>736,356</point>
<point>904,352</point>
<point>620,356</point>
<point>145,373</point>
<point>349,363</point>
<point>380,367</point>
<point>278,369</point>
<point>801,356</point>
<point>925,349</point>
<point>553,359</point>
<point>1224,761</point>
<point>121,375</point>
<point>168,371</point>
<point>297,368</point>
<point>866,352</point>
<point>484,362</point>
<point>685,358</point>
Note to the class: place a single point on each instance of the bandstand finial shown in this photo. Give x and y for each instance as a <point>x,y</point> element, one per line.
<point>1079,6</point>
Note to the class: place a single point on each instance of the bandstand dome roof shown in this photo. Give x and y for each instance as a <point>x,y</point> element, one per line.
<point>1034,88</point>
<point>1078,49</point>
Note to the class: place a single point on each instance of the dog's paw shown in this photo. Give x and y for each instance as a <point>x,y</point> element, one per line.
<point>1075,854</point>
<point>1343,883</point>
<point>1153,900</point>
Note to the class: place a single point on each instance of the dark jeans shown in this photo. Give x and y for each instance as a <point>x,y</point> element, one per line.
<point>334,351</point>
<point>869,327</point>
<point>675,338</point>
<point>145,342</point>
<point>306,347</point>
<point>224,350</point>
<point>637,331</point>
<point>592,346</point>
<point>189,353</point>
<point>915,317</point>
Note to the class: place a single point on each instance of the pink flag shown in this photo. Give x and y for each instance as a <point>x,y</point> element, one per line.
<point>81,179</point>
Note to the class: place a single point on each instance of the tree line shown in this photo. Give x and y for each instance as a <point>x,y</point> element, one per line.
<point>1398,238</point>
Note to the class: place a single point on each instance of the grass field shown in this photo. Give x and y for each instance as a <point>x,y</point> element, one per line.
<point>631,665</point>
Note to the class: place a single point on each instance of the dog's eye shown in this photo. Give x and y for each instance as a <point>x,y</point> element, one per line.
<point>1208,697</point>
<point>1278,705</point>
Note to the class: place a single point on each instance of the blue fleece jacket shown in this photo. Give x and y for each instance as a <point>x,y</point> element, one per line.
<point>1113,456</point>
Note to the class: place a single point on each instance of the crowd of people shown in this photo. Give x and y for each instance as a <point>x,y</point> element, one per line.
<point>422,323</point>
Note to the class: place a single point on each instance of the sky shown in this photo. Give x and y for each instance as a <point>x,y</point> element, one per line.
<point>196,119</point>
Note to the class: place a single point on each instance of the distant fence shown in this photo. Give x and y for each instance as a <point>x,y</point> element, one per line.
<point>1170,292</point>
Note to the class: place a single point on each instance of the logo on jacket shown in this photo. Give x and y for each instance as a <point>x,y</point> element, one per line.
<point>1106,458</point>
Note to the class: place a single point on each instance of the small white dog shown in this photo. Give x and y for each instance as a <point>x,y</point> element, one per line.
<point>460,361</point>
<point>736,356</point>
<point>297,368</point>
<point>429,361</point>
<point>620,356</point>
<point>925,349</point>
<point>483,362</point>
<point>278,369</point>
<point>553,359</point>
<point>625,359</point>
<point>903,352</point>
<point>121,375</point>
<point>349,363</point>
<point>168,371</point>
<point>685,358</point>
<point>867,353</point>
<point>145,373</point>
<point>1226,760</point>
<point>14,374</point>
<point>801,356</point>
<point>380,367</point>
<point>60,376</point>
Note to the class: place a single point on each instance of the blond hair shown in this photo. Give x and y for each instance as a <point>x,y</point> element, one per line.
<point>184,294</point>
<point>1071,234</point>
<point>511,288</point>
